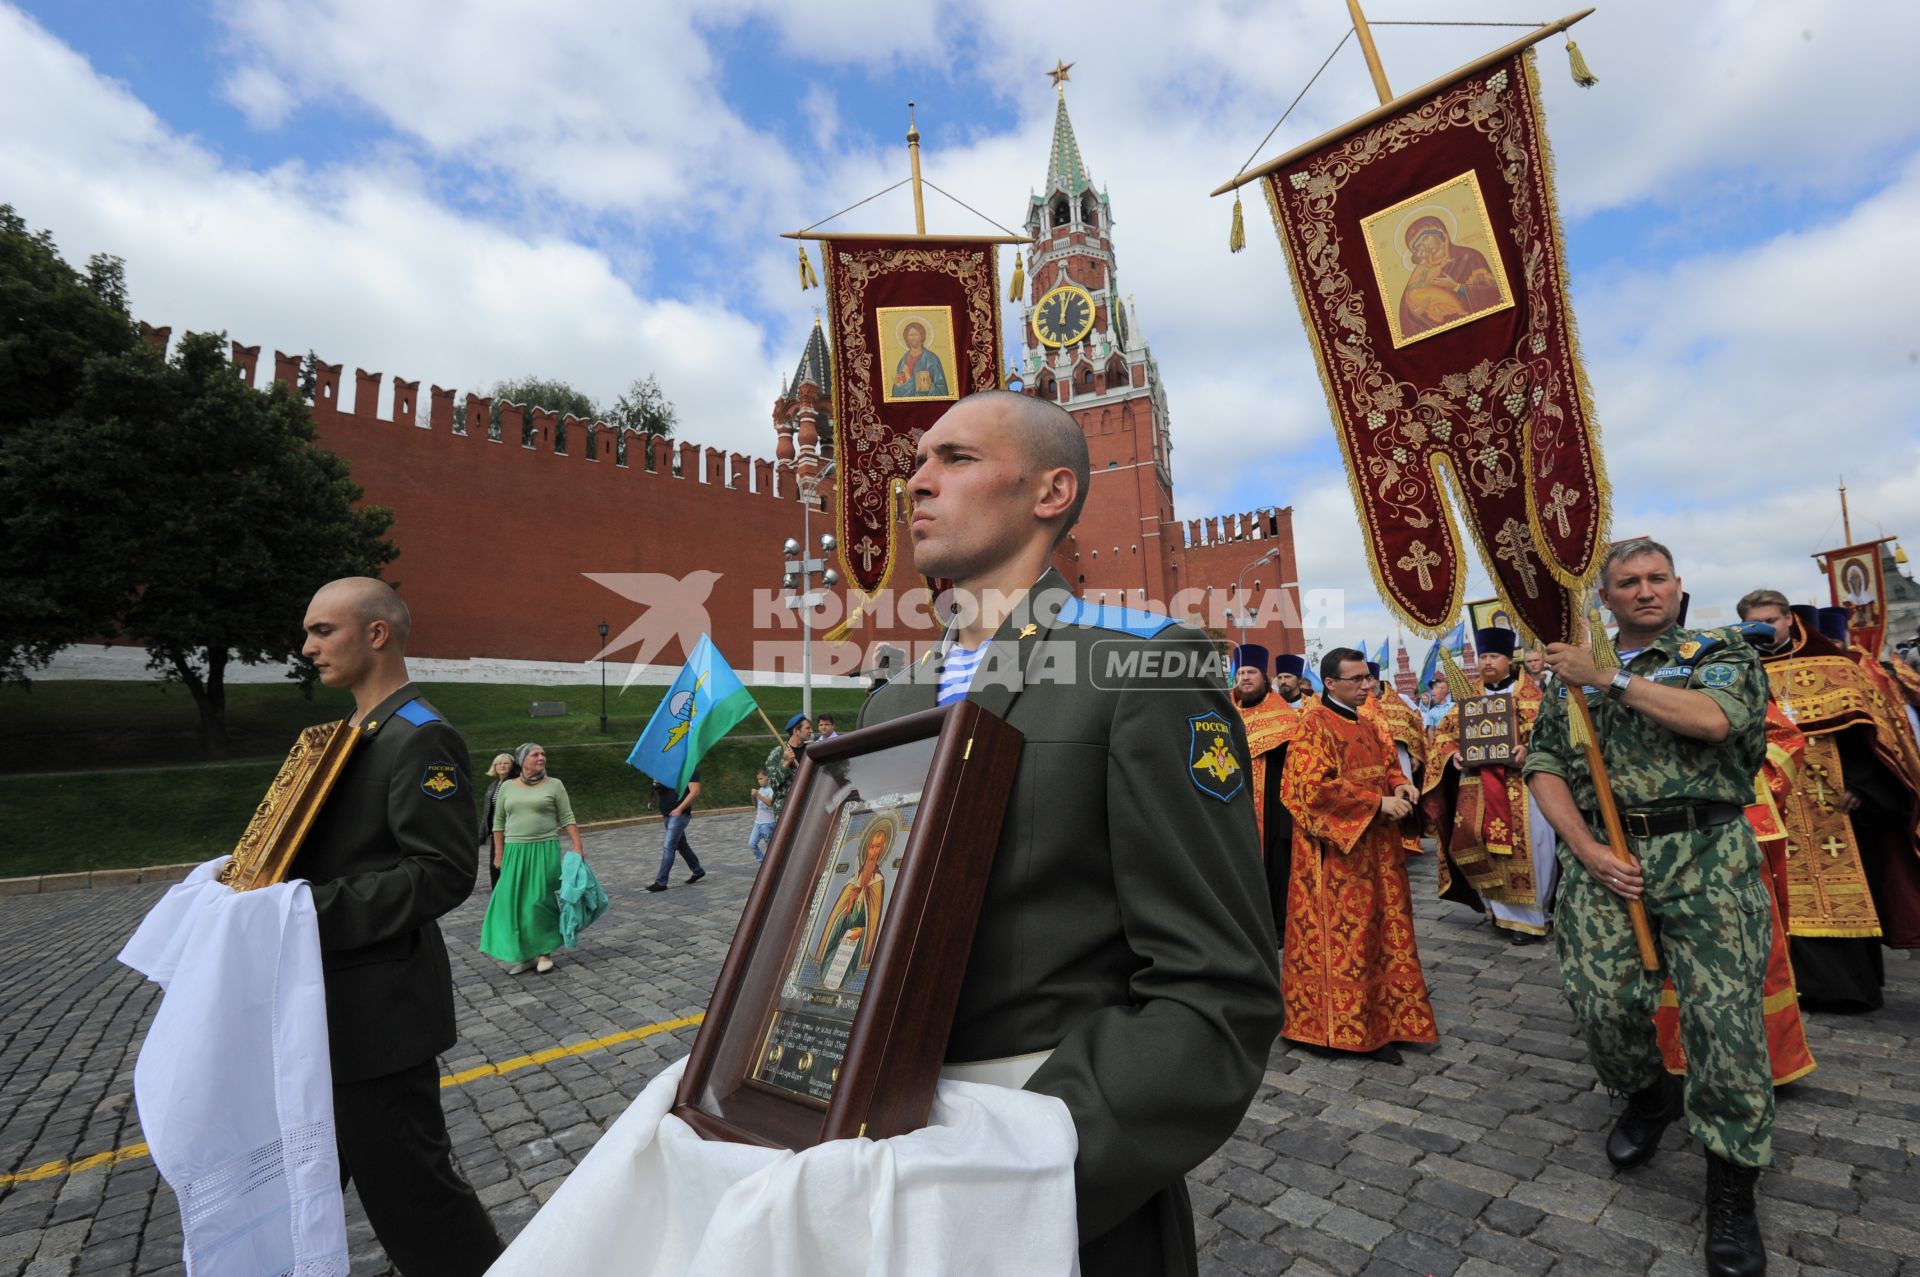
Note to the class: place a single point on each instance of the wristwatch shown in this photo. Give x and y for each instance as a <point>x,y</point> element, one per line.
<point>1617,688</point>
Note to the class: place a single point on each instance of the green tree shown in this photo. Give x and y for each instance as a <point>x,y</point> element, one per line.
<point>193,512</point>
<point>556,397</point>
<point>53,320</point>
<point>644,407</point>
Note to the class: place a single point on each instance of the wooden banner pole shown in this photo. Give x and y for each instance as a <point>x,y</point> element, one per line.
<point>913,157</point>
<point>1365,32</point>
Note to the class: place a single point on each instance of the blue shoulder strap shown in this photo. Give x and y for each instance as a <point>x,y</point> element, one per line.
<point>417,712</point>
<point>1107,616</point>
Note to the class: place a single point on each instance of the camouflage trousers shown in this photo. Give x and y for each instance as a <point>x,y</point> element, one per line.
<point>1712,926</point>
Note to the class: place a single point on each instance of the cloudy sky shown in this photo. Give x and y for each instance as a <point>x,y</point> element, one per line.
<point>594,191</point>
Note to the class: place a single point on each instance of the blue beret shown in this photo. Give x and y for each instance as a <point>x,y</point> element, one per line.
<point>794,722</point>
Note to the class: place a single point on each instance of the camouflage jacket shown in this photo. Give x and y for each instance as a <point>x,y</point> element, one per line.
<point>1650,766</point>
<point>780,775</point>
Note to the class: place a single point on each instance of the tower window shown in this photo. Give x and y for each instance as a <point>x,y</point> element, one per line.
<point>1089,211</point>
<point>1062,212</point>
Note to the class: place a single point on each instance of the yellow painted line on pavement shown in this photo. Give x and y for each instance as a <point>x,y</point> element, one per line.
<point>562,1052</point>
<point>56,1170</point>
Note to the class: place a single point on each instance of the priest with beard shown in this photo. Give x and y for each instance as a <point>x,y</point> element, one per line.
<point>1269,721</point>
<point>1853,867</point>
<point>1290,678</point>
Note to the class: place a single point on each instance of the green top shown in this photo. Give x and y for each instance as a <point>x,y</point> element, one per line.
<point>532,813</point>
<point>1650,766</point>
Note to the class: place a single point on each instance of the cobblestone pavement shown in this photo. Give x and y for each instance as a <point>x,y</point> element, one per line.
<point>1478,1157</point>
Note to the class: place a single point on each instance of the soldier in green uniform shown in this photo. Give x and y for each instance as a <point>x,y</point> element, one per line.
<point>391,851</point>
<point>1125,955</point>
<point>1682,724</point>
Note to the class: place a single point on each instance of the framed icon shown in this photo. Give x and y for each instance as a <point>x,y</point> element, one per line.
<point>273,836</point>
<point>831,1014</point>
<point>1435,261</point>
<point>916,353</point>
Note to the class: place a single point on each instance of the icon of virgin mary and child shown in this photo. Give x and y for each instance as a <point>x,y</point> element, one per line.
<point>1450,281</point>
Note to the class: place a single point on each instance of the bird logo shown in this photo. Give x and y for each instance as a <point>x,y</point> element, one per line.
<point>675,608</point>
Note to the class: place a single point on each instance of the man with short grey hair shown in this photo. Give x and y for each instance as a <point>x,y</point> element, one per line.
<point>1682,722</point>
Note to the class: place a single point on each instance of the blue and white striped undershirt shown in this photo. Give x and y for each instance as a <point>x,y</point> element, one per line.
<point>956,672</point>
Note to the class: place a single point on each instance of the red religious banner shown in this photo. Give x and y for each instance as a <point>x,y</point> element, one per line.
<point>914,324</point>
<point>1427,260</point>
<point>1859,584</point>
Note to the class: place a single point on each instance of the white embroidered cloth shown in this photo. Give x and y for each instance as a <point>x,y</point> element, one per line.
<point>233,1085</point>
<point>986,1188</point>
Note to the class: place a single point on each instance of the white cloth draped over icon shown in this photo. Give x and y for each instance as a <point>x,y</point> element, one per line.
<point>233,1084</point>
<point>986,1187</point>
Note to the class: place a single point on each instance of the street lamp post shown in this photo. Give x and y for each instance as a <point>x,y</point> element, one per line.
<point>603,678</point>
<point>800,572</point>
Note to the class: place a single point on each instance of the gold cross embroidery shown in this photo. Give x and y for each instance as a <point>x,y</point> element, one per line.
<point>1833,847</point>
<point>866,550</point>
<point>1419,560</point>
<point>1513,550</point>
<point>1559,501</point>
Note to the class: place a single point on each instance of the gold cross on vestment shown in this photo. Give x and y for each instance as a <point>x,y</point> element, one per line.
<point>1833,846</point>
<point>1419,560</point>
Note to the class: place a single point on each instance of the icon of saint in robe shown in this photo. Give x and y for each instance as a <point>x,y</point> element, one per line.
<point>1449,281</point>
<point>919,374</point>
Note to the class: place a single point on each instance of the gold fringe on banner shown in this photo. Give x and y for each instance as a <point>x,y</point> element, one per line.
<point>1019,284</point>
<point>1583,77</point>
<point>1237,237</point>
<point>807,278</point>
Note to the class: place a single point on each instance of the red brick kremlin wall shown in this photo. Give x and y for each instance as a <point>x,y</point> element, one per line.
<point>495,535</point>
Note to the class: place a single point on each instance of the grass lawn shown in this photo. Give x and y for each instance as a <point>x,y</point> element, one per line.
<point>119,794</point>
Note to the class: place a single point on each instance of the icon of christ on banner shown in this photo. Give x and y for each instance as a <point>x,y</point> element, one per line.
<point>916,344</point>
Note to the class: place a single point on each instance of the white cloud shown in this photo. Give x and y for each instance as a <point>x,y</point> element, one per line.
<point>1729,383</point>
<point>262,96</point>
<point>359,264</point>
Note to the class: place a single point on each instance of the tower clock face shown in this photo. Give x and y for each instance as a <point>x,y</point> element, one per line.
<point>1063,316</point>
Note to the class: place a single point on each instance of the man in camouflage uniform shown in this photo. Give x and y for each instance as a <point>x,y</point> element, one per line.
<point>1683,729</point>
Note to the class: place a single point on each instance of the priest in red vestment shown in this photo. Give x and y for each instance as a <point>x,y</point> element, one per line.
<point>1350,976</point>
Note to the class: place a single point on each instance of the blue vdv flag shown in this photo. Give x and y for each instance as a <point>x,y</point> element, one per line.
<point>1380,657</point>
<point>706,700</point>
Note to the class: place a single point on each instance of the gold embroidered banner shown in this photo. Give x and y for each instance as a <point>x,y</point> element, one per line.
<point>913,325</point>
<point>1427,260</point>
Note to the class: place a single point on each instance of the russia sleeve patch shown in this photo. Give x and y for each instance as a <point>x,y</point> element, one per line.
<point>440,780</point>
<point>1214,769</point>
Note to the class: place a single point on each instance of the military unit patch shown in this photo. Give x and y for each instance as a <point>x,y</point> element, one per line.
<point>1215,771</point>
<point>440,780</point>
<point>1719,675</point>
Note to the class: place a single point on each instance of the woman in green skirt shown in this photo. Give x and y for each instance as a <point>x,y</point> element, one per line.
<point>522,925</point>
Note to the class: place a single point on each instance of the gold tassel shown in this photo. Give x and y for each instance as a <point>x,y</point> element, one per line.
<point>1605,655</point>
<point>1577,724</point>
<point>1459,686</point>
<point>1019,285</point>
<point>807,278</point>
<point>1237,237</point>
<point>1582,76</point>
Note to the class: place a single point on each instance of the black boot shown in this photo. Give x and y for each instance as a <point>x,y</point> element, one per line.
<point>1734,1247</point>
<point>1636,1136</point>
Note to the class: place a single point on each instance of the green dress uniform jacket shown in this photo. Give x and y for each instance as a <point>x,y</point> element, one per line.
<point>1126,925</point>
<point>392,850</point>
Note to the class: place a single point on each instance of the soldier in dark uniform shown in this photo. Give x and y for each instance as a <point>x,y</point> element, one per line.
<point>1125,958</point>
<point>1683,726</point>
<point>390,852</point>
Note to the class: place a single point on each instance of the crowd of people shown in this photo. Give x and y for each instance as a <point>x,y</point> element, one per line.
<point>1185,873</point>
